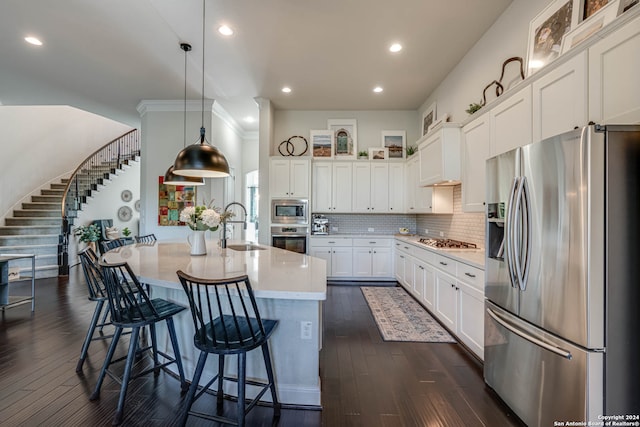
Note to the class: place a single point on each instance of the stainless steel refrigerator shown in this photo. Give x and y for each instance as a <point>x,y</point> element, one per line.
<point>562,318</point>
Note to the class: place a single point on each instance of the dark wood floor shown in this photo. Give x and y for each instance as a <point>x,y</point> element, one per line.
<point>365,381</point>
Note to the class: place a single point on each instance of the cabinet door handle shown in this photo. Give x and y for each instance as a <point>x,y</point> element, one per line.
<point>421,267</point>
<point>453,286</point>
<point>470,275</point>
<point>406,247</point>
<point>372,243</point>
<point>457,288</point>
<point>331,242</point>
<point>443,263</point>
<point>401,256</point>
<point>375,252</point>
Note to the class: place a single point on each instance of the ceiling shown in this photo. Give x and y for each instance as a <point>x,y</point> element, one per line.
<point>106,56</point>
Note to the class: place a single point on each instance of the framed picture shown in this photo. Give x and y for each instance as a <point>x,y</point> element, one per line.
<point>345,137</point>
<point>378,153</point>
<point>322,143</point>
<point>546,31</point>
<point>590,7</point>
<point>171,200</point>
<point>395,141</point>
<point>588,27</point>
<point>428,117</point>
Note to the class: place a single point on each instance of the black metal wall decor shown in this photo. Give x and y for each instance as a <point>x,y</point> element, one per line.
<point>291,149</point>
<point>498,84</point>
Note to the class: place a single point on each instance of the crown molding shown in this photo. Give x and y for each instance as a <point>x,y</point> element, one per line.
<point>172,105</point>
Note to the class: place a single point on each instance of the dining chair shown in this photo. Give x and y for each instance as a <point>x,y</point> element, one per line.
<point>107,245</point>
<point>98,294</point>
<point>132,308</point>
<point>149,238</point>
<point>236,329</point>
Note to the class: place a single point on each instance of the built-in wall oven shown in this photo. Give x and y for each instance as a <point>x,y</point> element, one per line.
<point>290,237</point>
<point>289,211</point>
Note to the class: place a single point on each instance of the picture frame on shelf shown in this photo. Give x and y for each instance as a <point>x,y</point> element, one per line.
<point>345,137</point>
<point>441,120</point>
<point>428,117</point>
<point>546,31</point>
<point>589,8</point>
<point>602,17</point>
<point>378,153</point>
<point>321,143</point>
<point>395,141</point>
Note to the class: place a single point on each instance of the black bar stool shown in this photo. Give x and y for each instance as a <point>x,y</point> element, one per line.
<point>149,238</point>
<point>236,331</point>
<point>97,293</point>
<point>132,308</point>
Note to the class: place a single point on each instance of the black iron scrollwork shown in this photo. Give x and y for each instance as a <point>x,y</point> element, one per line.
<point>499,90</point>
<point>290,147</point>
<point>512,59</point>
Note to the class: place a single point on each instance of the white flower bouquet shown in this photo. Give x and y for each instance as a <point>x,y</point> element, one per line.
<point>202,218</point>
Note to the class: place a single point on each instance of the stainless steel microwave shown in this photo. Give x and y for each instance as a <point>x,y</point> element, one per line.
<point>289,211</point>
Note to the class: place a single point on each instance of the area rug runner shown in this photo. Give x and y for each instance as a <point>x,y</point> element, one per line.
<point>400,318</point>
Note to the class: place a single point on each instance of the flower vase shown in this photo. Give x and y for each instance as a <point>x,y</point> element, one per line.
<point>197,243</point>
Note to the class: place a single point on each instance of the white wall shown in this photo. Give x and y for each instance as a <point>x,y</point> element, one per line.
<point>507,37</point>
<point>162,139</point>
<point>40,144</point>
<point>104,204</point>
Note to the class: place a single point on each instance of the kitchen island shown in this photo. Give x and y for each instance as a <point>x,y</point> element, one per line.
<point>288,286</point>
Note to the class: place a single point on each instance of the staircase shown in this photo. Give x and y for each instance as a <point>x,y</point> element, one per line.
<point>43,226</point>
<point>35,229</point>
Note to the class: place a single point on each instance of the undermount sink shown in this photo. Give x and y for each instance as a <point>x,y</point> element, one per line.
<point>248,247</point>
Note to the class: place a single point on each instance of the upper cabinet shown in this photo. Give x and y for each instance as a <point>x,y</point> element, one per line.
<point>560,99</point>
<point>289,178</point>
<point>511,122</point>
<point>370,187</point>
<point>439,155</point>
<point>476,138</point>
<point>614,91</point>
<point>396,186</point>
<point>332,190</point>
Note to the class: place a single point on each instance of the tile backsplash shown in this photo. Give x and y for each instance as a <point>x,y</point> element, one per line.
<point>459,225</point>
<point>469,227</point>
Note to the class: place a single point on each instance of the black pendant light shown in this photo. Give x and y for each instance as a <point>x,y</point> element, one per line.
<point>171,178</point>
<point>201,159</point>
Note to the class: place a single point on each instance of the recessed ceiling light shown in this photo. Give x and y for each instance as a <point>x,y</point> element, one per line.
<point>249,119</point>
<point>33,40</point>
<point>396,47</point>
<point>286,89</point>
<point>225,30</point>
<point>377,89</point>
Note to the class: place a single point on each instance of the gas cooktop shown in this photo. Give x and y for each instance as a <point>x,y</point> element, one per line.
<point>447,244</point>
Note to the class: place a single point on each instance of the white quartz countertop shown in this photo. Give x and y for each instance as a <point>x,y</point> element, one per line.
<point>473,257</point>
<point>274,273</point>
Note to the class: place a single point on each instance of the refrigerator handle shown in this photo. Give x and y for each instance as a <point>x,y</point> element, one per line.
<point>526,233</point>
<point>550,347</point>
<point>508,232</point>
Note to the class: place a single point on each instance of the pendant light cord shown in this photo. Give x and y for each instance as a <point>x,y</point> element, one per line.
<point>184,122</point>
<point>202,131</point>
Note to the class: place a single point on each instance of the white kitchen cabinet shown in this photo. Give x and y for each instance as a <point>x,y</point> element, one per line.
<point>470,322</point>
<point>439,155</point>
<point>446,300</point>
<point>370,187</point>
<point>476,146</point>
<point>560,99</point>
<point>411,187</point>
<point>289,178</point>
<point>424,283</point>
<point>511,122</point>
<point>372,258</point>
<point>614,62</point>
<point>396,187</point>
<point>332,190</point>
<point>337,251</point>
<point>434,200</point>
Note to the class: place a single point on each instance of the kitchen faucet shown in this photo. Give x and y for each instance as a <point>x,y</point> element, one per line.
<point>223,241</point>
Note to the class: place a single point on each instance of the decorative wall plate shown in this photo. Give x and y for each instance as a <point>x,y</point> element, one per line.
<point>136,205</point>
<point>125,213</point>
<point>126,195</point>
